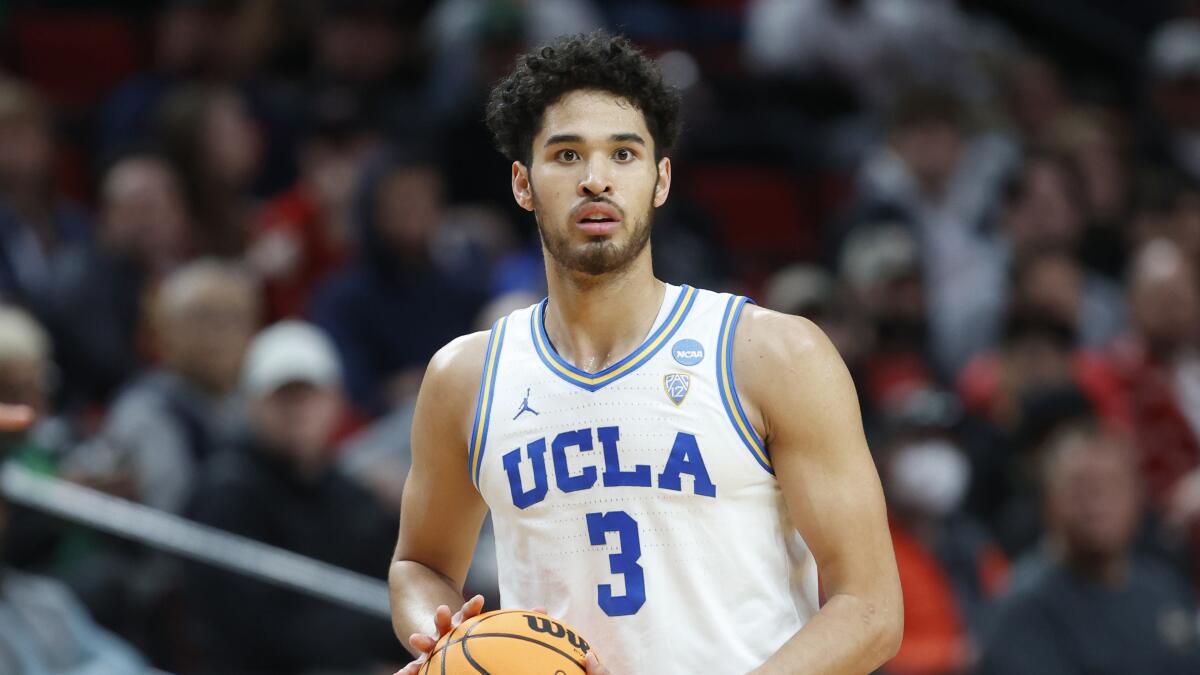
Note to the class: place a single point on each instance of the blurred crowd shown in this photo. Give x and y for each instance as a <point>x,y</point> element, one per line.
<point>232,233</point>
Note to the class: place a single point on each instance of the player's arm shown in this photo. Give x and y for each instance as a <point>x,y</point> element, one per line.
<point>803,402</point>
<point>441,512</point>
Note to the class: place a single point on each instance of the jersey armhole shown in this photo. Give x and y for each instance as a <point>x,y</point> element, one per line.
<point>483,403</point>
<point>727,388</point>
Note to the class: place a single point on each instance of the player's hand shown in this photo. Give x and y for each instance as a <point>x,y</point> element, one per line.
<point>443,622</point>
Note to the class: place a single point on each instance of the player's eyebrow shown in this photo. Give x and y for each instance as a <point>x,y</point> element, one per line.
<point>563,138</point>
<point>627,138</point>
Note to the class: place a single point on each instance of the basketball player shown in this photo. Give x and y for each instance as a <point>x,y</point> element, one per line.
<point>666,467</point>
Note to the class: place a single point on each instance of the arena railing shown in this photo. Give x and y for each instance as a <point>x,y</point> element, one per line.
<point>188,539</point>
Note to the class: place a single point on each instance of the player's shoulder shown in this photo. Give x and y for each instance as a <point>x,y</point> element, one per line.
<point>455,369</point>
<point>782,356</point>
<point>769,339</point>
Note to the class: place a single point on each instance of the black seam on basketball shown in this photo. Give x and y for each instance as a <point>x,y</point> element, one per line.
<point>519,637</point>
<point>501,612</point>
<point>475,625</point>
<point>467,653</point>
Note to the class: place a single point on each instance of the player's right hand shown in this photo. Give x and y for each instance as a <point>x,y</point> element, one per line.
<point>443,622</point>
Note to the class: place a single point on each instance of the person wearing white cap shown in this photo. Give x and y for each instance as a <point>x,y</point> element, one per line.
<point>278,484</point>
<point>292,379</point>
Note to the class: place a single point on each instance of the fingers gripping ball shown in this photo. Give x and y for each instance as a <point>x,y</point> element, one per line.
<point>509,642</point>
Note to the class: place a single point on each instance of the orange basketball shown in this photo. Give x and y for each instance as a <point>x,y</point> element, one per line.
<point>509,642</point>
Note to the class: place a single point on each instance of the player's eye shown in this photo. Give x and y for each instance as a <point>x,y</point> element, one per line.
<point>567,156</point>
<point>623,155</point>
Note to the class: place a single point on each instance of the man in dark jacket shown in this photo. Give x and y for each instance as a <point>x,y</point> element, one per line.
<point>1089,603</point>
<point>278,485</point>
<point>397,302</point>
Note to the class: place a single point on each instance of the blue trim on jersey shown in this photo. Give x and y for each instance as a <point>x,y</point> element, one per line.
<point>483,404</point>
<point>727,389</point>
<point>639,356</point>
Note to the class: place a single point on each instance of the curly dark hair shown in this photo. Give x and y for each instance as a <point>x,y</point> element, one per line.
<point>596,60</point>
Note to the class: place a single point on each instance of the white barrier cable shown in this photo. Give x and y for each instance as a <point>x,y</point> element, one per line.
<point>193,540</point>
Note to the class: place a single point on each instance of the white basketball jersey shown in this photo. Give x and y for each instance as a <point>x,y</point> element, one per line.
<point>638,503</point>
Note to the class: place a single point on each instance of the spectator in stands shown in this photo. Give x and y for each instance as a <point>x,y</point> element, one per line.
<point>1094,142</point>
<point>1042,221</point>
<point>144,234</point>
<point>1037,352</point>
<point>209,136</point>
<point>949,566</point>
<point>1034,97</point>
<point>26,375</point>
<point>1094,606</point>
<point>1174,63</point>
<point>874,47</point>
<point>471,40</point>
<point>882,272</point>
<point>46,249</point>
<point>143,215</point>
<point>302,235</point>
<point>1054,282</point>
<point>1036,361</point>
<point>192,40</point>
<point>1167,207</point>
<point>1047,208</point>
<point>169,420</point>
<point>45,629</point>
<point>278,484</point>
<point>26,369</point>
<point>394,283</point>
<point>1160,370</point>
<point>95,569</point>
<point>942,180</point>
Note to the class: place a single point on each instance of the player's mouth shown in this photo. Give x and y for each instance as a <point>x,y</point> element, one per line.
<point>598,218</point>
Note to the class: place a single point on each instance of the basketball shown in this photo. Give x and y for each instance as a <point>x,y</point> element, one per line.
<point>509,642</point>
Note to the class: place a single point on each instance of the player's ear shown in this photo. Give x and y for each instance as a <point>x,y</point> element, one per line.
<point>662,187</point>
<point>522,191</point>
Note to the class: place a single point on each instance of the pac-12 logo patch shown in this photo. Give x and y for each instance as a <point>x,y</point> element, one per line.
<point>688,352</point>
<point>676,385</point>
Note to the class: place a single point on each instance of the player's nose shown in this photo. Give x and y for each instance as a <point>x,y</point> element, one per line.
<point>595,181</point>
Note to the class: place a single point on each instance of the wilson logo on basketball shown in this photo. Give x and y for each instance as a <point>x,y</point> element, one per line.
<point>554,629</point>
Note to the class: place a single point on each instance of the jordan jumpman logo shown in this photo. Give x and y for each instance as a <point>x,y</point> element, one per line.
<point>525,406</point>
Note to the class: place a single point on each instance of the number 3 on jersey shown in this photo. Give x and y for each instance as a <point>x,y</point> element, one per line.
<point>623,562</point>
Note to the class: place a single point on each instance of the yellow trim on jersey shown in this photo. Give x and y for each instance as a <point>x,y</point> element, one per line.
<point>728,391</point>
<point>483,407</point>
<point>629,363</point>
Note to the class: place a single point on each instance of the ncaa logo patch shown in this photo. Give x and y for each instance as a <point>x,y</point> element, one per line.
<point>676,385</point>
<point>687,352</point>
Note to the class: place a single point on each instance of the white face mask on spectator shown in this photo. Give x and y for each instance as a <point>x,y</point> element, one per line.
<point>929,476</point>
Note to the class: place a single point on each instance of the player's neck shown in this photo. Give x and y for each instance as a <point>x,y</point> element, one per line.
<point>596,322</point>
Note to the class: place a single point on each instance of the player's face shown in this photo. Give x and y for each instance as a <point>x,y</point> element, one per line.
<point>593,182</point>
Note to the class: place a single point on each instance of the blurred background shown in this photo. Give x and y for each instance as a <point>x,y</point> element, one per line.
<point>232,232</point>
